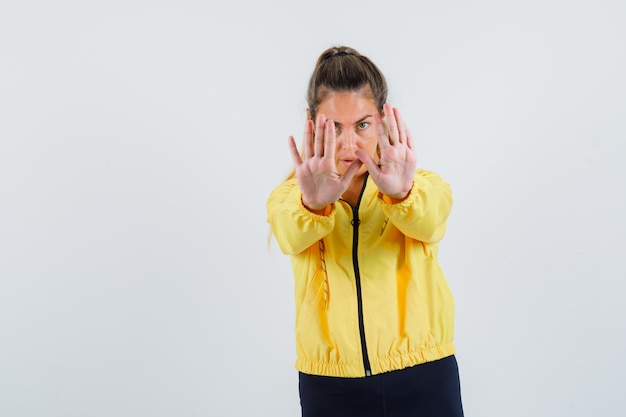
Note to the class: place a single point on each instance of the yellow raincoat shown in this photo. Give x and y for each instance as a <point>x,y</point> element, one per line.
<point>370,295</point>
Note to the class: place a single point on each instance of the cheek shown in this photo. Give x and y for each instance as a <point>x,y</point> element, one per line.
<point>369,144</point>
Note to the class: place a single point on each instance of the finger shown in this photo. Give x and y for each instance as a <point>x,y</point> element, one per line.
<point>293,149</point>
<point>329,140</point>
<point>308,139</point>
<point>392,125</point>
<point>318,148</point>
<point>350,172</point>
<point>402,129</point>
<point>409,139</point>
<point>366,159</point>
<point>383,138</point>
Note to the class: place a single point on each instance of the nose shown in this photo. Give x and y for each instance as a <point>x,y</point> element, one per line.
<point>348,140</point>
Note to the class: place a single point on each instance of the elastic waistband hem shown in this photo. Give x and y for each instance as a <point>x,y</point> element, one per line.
<point>379,364</point>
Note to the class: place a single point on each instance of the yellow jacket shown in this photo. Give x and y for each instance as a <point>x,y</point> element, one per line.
<point>370,295</point>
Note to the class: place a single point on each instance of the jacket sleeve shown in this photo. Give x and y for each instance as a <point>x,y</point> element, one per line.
<point>293,225</point>
<point>424,213</point>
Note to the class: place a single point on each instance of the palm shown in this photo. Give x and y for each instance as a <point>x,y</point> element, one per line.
<point>393,174</point>
<point>320,183</point>
<point>396,169</point>
<point>319,180</point>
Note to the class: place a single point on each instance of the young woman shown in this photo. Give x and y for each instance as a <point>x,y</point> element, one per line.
<point>374,314</point>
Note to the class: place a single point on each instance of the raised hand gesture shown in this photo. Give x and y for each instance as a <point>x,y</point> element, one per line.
<point>393,174</point>
<point>319,180</point>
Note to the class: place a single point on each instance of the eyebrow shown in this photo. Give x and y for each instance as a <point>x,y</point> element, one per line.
<point>357,122</point>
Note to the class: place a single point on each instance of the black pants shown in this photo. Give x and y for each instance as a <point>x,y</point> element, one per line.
<point>428,390</point>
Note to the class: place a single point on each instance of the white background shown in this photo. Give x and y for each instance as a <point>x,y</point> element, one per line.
<point>139,141</point>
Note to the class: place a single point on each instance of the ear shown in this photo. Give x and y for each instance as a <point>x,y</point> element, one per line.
<point>308,113</point>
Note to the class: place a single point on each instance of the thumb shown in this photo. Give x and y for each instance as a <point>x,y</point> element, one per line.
<point>367,160</point>
<point>350,172</point>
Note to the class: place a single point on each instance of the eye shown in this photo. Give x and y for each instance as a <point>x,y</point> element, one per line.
<point>363,125</point>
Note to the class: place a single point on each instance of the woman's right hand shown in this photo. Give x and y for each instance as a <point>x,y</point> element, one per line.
<point>319,180</point>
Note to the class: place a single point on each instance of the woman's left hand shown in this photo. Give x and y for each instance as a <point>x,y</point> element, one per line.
<point>394,172</point>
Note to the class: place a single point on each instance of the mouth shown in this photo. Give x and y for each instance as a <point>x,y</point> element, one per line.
<point>346,162</point>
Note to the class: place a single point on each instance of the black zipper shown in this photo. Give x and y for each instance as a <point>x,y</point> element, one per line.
<point>356,222</point>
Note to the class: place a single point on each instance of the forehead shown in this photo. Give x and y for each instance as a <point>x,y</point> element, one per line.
<point>347,106</point>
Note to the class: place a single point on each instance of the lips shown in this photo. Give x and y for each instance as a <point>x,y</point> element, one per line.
<point>346,162</point>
